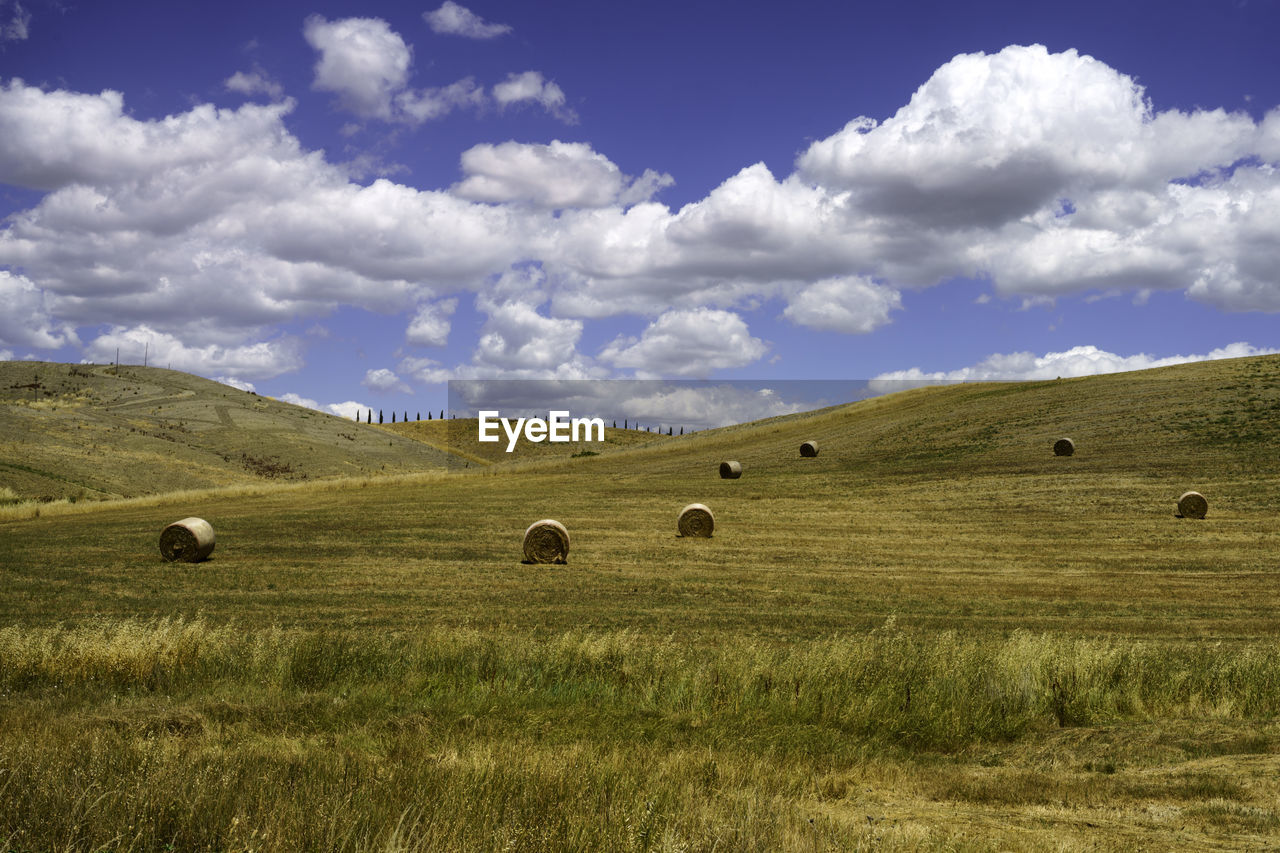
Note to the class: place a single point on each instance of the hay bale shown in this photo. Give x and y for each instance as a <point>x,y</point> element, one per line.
<point>696,520</point>
<point>190,540</point>
<point>1192,505</point>
<point>546,541</point>
<point>1064,447</point>
<point>809,449</point>
<point>730,470</point>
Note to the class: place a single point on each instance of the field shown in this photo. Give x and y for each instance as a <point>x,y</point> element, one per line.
<point>936,635</point>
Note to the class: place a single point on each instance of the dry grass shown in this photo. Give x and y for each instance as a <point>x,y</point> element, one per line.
<point>90,433</point>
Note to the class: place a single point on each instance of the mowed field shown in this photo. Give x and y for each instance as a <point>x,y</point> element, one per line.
<point>934,635</point>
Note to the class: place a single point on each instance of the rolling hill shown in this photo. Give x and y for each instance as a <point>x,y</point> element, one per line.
<point>93,431</point>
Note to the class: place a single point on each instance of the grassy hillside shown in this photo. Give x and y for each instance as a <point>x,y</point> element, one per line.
<point>934,635</point>
<point>91,432</point>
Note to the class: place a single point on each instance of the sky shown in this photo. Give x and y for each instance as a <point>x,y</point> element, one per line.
<point>349,205</point>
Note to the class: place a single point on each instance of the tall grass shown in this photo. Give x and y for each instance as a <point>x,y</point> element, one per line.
<point>937,691</point>
<point>134,735</point>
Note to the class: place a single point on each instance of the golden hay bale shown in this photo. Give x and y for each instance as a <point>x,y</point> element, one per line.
<point>1064,447</point>
<point>1192,505</point>
<point>730,470</point>
<point>546,541</point>
<point>190,540</point>
<point>809,449</point>
<point>696,520</point>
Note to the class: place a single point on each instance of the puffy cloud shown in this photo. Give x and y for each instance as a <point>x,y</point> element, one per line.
<point>452,19</point>
<point>298,400</point>
<point>260,360</point>
<point>430,326</point>
<point>236,383</point>
<point>6,355</point>
<point>346,410</point>
<point>983,173</point>
<point>687,343</point>
<point>559,175</point>
<point>26,319</point>
<point>847,304</point>
<point>1077,361</point>
<point>349,409</point>
<point>219,214</point>
<point>428,371</point>
<point>253,83</point>
<point>384,382</point>
<point>366,64</point>
<point>530,86</point>
<point>990,138</point>
<point>751,236</point>
<point>419,105</point>
<point>516,339</point>
<point>56,139</point>
<point>362,61</point>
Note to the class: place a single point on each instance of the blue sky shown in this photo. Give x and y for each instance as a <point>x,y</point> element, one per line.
<point>348,205</point>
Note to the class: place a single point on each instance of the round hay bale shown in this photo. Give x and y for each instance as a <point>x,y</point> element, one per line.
<point>190,540</point>
<point>730,470</point>
<point>1064,447</point>
<point>809,449</point>
<point>696,520</point>
<point>546,541</point>
<point>1192,505</point>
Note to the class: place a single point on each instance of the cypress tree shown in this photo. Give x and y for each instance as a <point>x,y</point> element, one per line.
<point>393,415</point>
<point>379,415</point>
<point>428,416</point>
<point>370,417</point>
<point>419,415</point>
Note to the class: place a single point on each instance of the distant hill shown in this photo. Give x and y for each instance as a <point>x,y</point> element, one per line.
<point>85,431</point>
<point>1216,416</point>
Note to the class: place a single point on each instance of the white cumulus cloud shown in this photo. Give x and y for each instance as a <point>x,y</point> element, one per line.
<point>26,319</point>
<point>384,381</point>
<point>849,304</point>
<point>452,19</point>
<point>558,175</point>
<point>430,326</point>
<point>362,61</point>
<point>419,105</point>
<point>235,383</point>
<point>260,360</point>
<point>530,86</point>
<point>687,343</point>
<point>253,83</point>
